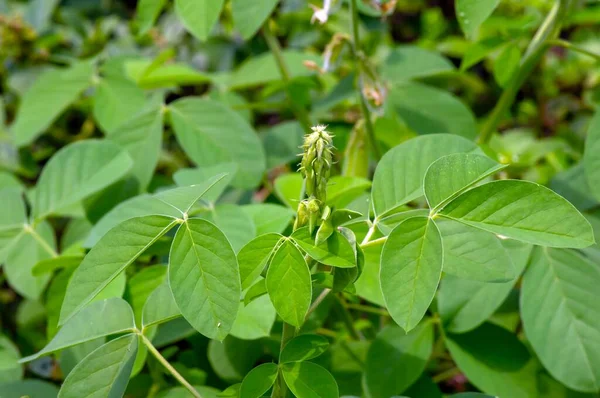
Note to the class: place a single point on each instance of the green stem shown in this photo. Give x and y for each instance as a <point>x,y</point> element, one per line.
<point>168,366</point>
<point>573,47</point>
<point>375,242</point>
<point>280,389</point>
<point>273,44</point>
<point>545,34</point>
<point>358,58</point>
<point>445,375</point>
<point>347,319</point>
<point>366,308</point>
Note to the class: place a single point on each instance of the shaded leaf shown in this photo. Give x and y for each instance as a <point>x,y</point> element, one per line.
<point>259,12</point>
<point>409,62</point>
<point>259,380</point>
<point>336,251</point>
<point>254,257</point>
<point>303,348</point>
<point>309,380</point>
<point>472,13</point>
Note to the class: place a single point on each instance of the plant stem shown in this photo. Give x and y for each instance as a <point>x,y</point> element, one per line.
<point>375,242</point>
<point>547,32</point>
<point>358,59</point>
<point>347,319</point>
<point>280,389</point>
<point>573,47</point>
<point>366,308</point>
<point>273,44</point>
<point>168,366</point>
<point>317,302</point>
<point>445,375</point>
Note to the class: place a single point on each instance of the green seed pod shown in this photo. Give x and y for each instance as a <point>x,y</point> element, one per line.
<point>326,228</point>
<point>316,162</point>
<point>302,218</point>
<point>314,214</point>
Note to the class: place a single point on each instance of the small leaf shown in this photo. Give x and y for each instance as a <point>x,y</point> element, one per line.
<point>204,278</point>
<point>289,284</point>
<point>141,285</point>
<point>184,198</point>
<point>560,316</point>
<point>32,388</point>
<point>47,98</point>
<point>99,319</point>
<point>113,253</point>
<point>399,175</point>
<point>342,190</point>
<point>259,10</point>
<point>10,369</point>
<point>117,99</point>
<point>160,307</point>
<point>396,360</point>
<point>303,348</point>
<point>409,62</point>
<point>255,291</point>
<point>269,217</point>
<point>259,380</point>
<point>231,219</point>
<point>471,253</point>
<point>103,373</point>
<point>255,319</point>
<point>254,257</point>
<point>288,188</point>
<point>199,16</point>
<point>472,13</point>
<point>451,175</point>
<point>524,211</point>
<point>591,158</point>
<point>411,267</point>
<point>507,64</point>
<point>336,251</point>
<point>77,171</point>
<point>187,177</point>
<point>147,12</point>
<point>309,380</point>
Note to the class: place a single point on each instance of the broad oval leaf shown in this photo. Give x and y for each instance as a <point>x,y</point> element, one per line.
<point>524,211</point>
<point>231,219</point>
<point>472,13</point>
<point>411,267</point>
<point>183,198</point>
<point>206,130</point>
<point>187,177</point>
<point>451,175</point>
<point>465,304</point>
<point>259,380</point>
<point>471,253</point>
<point>560,313</point>
<point>99,319</point>
<point>399,175</point>
<point>77,171</point>
<point>395,360</point>
<point>289,284</point>
<point>103,373</point>
<point>204,278</point>
<point>495,361</point>
<point>248,16</point>
<point>309,380</point>
<point>160,307</point>
<point>116,100</point>
<point>199,16</point>
<point>336,251</point>
<point>255,256</point>
<point>47,98</point>
<point>269,217</point>
<point>255,319</point>
<point>113,253</point>
<point>303,348</point>
<point>591,158</point>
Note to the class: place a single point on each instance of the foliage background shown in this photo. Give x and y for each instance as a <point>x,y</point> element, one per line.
<point>430,77</point>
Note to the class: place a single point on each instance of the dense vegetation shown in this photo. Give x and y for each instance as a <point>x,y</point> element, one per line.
<point>358,198</point>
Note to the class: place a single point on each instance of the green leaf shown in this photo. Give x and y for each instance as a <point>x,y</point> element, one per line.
<point>288,188</point>
<point>148,75</point>
<point>141,137</point>
<point>254,257</point>
<point>471,253</point>
<point>52,264</point>
<point>103,373</point>
<point>187,177</point>
<point>160,307</point>
<point>184,198</point>
<point>560,316</point>
<point>204,278</point>
<point>367,285</point>
<point>342,190</point>
<point>113,253</point>
<point>255,291</point>
<point>116,100</point>
<point>199,16</point>
<point>205,129</point>
<point>478,51</point>
<point>233,358</point>
<point>237,226</point>
<point>409,62</point>
<point>281,143</point>
<point>303,348</point>
<point>269,217</point>
<point>289,284</point>
<point>12,219</point>
<point>451,175</point>
<point>309,380</point>
<point>411,267</point>
<point>524,211</point>
<point>399,175</point>
<point>147,12</point>
<point>504,368</point>
<point>99,319</point>
<point>10,369</point>
<point>31,247</point>
<point>591,158</point>
<point>77,171</point>
<point>47,98</point>
<point>396,360</point>
<point>259,12</point>
<point>429,110</point>
<point>472,13</point>
<point>259,380</point>
<point>39,13</point>
<point>141,285</point>
<point>255,319</point>
<point>507,64</point>
<point>30,388</point>
<point>336,251</point>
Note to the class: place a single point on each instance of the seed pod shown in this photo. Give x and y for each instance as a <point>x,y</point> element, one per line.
<point>314,214</point>
<point>316,162</point>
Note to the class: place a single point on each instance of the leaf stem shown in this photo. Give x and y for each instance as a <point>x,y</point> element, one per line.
<point>275,48</point>
<point>570,46</point>
<point>31,231</point>
<point>168,366</point>
<point>347,319</point>
<point>375,242</point>
<point>280,389</point>
<point>445,375</point>
<point>358,58</point>
<point>546,33</point>
<point>367,308</point>
<point>317,301</point>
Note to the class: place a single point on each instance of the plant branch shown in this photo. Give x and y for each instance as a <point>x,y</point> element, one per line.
<point>275,48</point>
<point>573,47</point>
<point>168,366</point>
<point>366,308</point>
<point>358,59</point>
<point>540,42</point>
<point>375,242</point>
